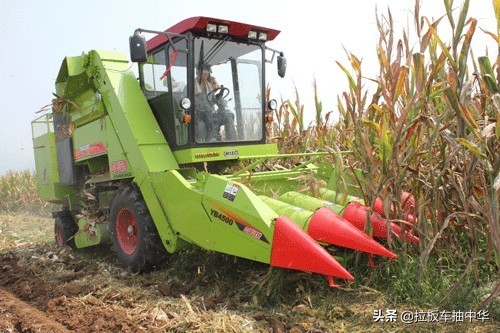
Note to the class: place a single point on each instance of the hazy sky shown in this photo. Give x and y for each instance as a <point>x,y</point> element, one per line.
<point>37,35</point>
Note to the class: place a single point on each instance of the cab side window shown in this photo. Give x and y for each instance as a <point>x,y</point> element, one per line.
<point>178,74</point>
<point>153,70</point>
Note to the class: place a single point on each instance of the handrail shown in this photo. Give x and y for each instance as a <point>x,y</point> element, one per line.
<point>263,158</point>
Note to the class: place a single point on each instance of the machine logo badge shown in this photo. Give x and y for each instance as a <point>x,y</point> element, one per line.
<point>230,192</point>
<point>231,153</point>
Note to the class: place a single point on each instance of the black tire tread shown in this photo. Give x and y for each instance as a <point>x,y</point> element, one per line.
<point>68,228</point>
<point>150,253</point>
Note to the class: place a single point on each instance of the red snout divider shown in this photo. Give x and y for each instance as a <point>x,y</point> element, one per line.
<point>408,201</point>
<point>355,213</point>
<point>292,248</point>
<point>329,227</point>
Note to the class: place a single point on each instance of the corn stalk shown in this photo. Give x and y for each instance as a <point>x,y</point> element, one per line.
<point>431,128</point>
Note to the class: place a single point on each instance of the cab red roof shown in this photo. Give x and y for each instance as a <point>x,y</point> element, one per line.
<point>198,24</point>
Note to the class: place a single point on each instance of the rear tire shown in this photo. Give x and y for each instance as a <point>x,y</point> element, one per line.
<point>134,235</point>
<point>65,229</point>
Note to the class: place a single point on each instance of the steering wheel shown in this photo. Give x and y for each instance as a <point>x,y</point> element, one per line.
<point>218,93</point>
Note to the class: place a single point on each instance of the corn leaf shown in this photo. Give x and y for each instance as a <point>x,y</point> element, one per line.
<point>490,83</point>
<point>427,37</point>
<point>377,108</point>
<point>442,45</point>
<point>485,65</point>
<point>461,23</point>
<point>352,83</point>
<point>496,7</point>
<point>385,147</point>
<point>449,13</point>
<point>401,82</point>
<point>373,125</point>
<point>471,147</point>
<point>355,63</point>
<point>462,59</point>
<point>488,75</point>
<point>496,103</point>
<point>419,67</point>
<point>462,112</point>
<point>437,90</point>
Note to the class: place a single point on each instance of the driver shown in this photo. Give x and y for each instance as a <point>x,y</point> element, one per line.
<point>206,82</point>
<point>209,119</point>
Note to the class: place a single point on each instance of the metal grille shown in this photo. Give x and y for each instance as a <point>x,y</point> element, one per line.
<point>42,125</point>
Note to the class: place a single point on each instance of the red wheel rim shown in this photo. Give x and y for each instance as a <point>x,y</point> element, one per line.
<point>126,230</point>
<point>59,236</point>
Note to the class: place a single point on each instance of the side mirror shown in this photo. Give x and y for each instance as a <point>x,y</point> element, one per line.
<point>281,65</point>
<point>138,50</point>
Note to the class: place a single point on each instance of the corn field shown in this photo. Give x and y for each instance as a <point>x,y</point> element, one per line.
<point>19,192</point>
<point>431,128</point>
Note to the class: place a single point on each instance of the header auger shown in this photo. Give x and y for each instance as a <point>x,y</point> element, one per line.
<point>173,158</point>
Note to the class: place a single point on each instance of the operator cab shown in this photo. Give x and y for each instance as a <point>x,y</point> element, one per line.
<point>204,79</point>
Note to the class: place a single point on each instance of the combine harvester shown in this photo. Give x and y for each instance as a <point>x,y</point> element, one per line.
<point>178,157</point>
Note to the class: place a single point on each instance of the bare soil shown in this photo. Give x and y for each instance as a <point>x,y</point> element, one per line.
<point>46,289</point>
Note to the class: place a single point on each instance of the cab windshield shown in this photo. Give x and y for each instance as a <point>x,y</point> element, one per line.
<point>227,91</point>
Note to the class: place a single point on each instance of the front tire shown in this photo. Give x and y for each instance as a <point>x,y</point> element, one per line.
<point>134,235</point>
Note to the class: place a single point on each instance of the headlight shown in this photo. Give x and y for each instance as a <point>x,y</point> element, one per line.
<point>185,103</point>
<point>272,104</point>
<point>211,27</point>
<point>263,36</point>
<point>252,34</point>
<point>223,29</point>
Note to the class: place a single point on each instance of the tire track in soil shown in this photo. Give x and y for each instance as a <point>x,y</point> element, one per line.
<point>24,283</point>
<point>17,316</point>
<point>56,305</point>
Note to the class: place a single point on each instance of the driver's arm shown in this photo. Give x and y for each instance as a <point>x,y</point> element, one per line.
<point>214,82</point>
